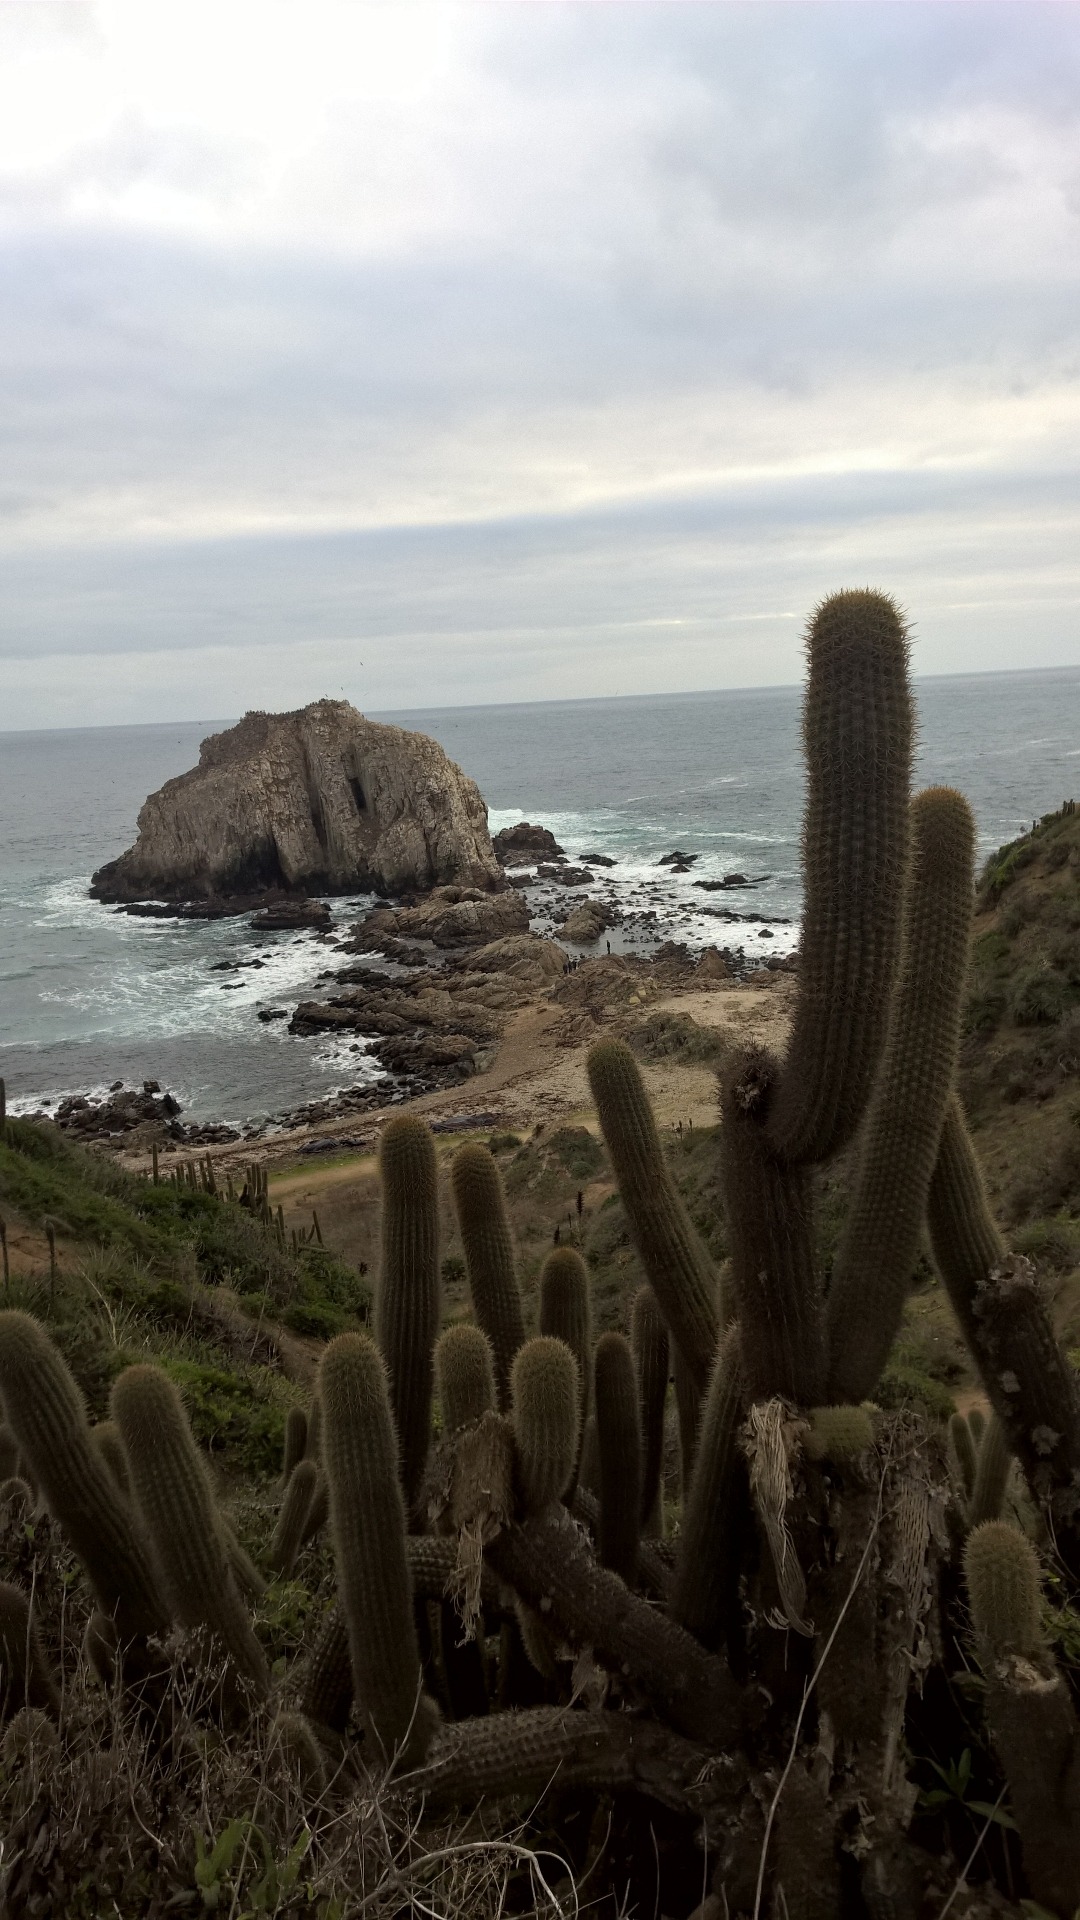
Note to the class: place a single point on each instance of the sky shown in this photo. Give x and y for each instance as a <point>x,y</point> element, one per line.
<point>435,354</point>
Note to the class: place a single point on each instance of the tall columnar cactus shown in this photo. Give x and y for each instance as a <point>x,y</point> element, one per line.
<point>773,1267</point>
<point>566,1314</point>
<point>367,1520</point>
<point>649,1340</point>
<point>876,1258</point>
<point>484,1223</point>
<point>545,1394</point>
<point>45,1412</point>
<point>991,1474</point>
<point>618,1432</point>
<point>1028,1380</point>
<point>292,1519</point>
<point>857,731</point>
<point>409,1297</point>
<point>177,1504</point>
<point>676,1264</point>
<point>26,1678</point>
<point>964,1448</point>
<point>688,1404</point>
<point>704,1596</point>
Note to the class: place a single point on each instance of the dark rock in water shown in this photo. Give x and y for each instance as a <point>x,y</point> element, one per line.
<point>680,861</point>
<point>732,880</point>
<point>122,1112</point>
<point>598,860</point>
<point>273,1013</point>
<point>286,915</point>
<point>319,800</point>
<point>521,845</point>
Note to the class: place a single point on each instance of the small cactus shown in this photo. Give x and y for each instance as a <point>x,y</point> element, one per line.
<point>409,1297</point>
<point>676,1264</point>
<point>289,1532</point>
<point>649,1341</point>
<point>464,1376</point>
<point>486,1237</point>
<point>963,1444</point>
<point>1005,1588</point>
<point>106,1441</point>
<point>545,1398</point>
<point>704,1596</point>
<point>177,1505</point>
<point>566,1314</point>
<point>839,1433</point>
<point>991,1474</point>
<point>296,1435</point>
<point>618,1430</point>
<point>367,1520</point>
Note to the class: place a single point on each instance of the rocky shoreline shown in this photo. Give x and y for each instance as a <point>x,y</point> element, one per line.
<point>428,984</point>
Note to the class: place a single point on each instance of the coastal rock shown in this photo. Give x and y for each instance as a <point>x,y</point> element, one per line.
<point>319,800</point>
<point>291,914</point>
<point>449,917</point>
<point>527,957</point>
<point>712,966</point>
<point>523,844</point>
<point>586,923</point>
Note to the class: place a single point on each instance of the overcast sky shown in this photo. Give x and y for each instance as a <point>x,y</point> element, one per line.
<point>439,354</point>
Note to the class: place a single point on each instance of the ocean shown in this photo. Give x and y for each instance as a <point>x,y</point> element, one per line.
<point>89,996</point>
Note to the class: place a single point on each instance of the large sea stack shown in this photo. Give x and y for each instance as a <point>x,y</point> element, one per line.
<point>320,800</point>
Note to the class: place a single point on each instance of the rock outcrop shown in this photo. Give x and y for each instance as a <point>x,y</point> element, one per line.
<point>449,917</point>
<point>523,844</point>
<point>321,800</point>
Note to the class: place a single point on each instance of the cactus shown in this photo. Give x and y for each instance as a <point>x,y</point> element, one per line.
<point>566,1314</point>
<point>880,1243</point>
<point>1028,1380</point>
<point>176,1501</point>
<point>963,1443</point>
<point>704,1596</point>
<point>289,1532</point>
<point>367,1520</point>
<point>1005,1588</point>
<point>619,1433</point>
<point>839,1433</point>
<point>480,1204</point>
<point>408,1305</point>
<point>688,1399</point>
<point>676,1264</point>
<point>300,1753</point>
<point>977,1423</point>
<point>545,1397</point>
<point>991,1474</point>
<point>9,1453</point>
<point>313,1443</point>
<point>296,1434</point>
<point>773,1269</point>
<point>46,1414</point>
<point>105,1439</point>
<point>649,1341</point>
<point>464,1376</point>
<point>26,1679</point>
<point>857,731</point>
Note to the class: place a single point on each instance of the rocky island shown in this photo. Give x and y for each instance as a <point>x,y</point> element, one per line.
<point>321,800</point>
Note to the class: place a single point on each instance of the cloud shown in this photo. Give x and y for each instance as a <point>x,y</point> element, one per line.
<point>530,326</point>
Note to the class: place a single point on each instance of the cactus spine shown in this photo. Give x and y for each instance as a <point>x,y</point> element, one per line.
<point>484,1223</point>
<point>177,1505</point>
<point>46,1414</point>
<point>409,1299</point>
<point>619,1434</point>
<point>295,1507</point>
<point>1028,1380</point>
<point>367,1520</point>
<point>773,1270</point>
<point>464,1376</point>
<point>857,731</point>
<point>545,1398</point>
<point>880,1243</point>
<point>649,1341</point>
<point>676,1264</point>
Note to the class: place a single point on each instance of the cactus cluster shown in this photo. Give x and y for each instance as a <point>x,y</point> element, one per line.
<point>495,1492</point>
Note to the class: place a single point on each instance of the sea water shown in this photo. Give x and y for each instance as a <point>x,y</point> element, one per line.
<point>89,995</point>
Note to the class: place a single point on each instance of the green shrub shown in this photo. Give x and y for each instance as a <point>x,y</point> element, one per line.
<point>1040,997</point>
